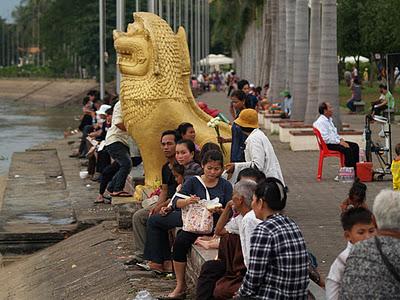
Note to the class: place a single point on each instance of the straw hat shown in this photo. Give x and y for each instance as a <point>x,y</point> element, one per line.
<point>247,118</point>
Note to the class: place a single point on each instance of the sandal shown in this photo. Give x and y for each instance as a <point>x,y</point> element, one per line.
<point>146,267</point>
<point>180,296</point>
<point>121,194</point>
<point>99,199</point>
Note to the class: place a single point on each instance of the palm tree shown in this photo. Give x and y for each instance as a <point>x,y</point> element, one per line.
<point>281,75</point>
<point>290,22</point>
<point>328,79</point>
<point>300,65</point>
<point>314,61</point>
<point>265,61</point>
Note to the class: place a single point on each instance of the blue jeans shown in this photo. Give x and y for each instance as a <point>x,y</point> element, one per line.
<point>350,105</point>
<point>157,247</point>
<point>120,153</point>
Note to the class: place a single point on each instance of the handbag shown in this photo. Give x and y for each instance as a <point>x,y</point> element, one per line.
<point>196,218</point>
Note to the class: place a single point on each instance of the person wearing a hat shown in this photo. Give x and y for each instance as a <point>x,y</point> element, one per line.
<point>278,263</point>
<point>258,152</point>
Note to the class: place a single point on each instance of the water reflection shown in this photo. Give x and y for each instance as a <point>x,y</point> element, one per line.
<point>23,126</point>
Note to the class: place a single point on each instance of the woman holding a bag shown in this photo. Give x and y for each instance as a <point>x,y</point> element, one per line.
<point>208,186</point>
<point>157,250</point>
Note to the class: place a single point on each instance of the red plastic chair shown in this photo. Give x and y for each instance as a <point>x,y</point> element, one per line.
<point>325,152</point>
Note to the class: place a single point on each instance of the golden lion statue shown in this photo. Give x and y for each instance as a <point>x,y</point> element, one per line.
<point>155,93</point>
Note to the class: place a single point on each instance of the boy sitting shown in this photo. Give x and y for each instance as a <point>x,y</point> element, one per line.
<point>358,225</point>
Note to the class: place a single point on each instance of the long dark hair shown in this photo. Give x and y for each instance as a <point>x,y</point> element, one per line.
<point>272,192</point>
<point>183,128</point>
<point>189,144</point>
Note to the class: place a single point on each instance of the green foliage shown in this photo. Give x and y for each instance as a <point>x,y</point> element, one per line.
<point>368,26</point>
<point>68,32</point>
<point>26,71</point>
<point>229,21</point>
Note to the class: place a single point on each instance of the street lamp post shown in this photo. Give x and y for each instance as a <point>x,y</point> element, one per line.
<point>120,27</point>
<point>101,47</point>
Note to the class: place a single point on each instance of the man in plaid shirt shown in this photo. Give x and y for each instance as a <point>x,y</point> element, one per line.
<point>278,266</point>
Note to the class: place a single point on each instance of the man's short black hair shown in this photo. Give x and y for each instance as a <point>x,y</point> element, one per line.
<point>251,172</point>
<point>239,95</point>
<point>353,216</point>
<point>85,100</point>
<point>176,135</point>
<point>92,93</point>
<point>242,83</point>
<point>322,107</point>
<point>383,86</point>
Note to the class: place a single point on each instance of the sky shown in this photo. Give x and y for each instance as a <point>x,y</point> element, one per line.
<point>6,7</point>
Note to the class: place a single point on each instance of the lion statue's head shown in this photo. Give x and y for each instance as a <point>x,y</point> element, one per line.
<point>151,60</point>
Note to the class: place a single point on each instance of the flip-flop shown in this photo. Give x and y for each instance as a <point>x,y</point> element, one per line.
<point>120,194</point>
<point>180,296</point>
<point>98,200</point>
<point>146,267</point>
<point>107,197</point>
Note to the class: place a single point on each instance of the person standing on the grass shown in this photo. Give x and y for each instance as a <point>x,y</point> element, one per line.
<point>332,139</point>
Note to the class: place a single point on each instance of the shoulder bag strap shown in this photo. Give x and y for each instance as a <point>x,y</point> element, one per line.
<point>204,185</point>
<point>386,261</point>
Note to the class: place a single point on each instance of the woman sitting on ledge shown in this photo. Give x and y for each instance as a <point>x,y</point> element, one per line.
<point>216,186</point>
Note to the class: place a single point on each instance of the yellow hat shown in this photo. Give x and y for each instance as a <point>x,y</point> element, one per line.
<point>247,118</point>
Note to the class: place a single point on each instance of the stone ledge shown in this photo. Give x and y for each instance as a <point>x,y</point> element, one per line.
<point>276,123</point>
<point>286,128</point>
<point>304,140</point>
<point>268,118</point>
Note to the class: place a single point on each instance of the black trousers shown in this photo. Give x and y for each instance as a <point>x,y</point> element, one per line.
<point>183,242</point>
<point>351,154</point>
<point>210,273</point>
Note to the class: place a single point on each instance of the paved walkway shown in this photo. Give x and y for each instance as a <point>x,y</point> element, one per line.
<point>314,205</point>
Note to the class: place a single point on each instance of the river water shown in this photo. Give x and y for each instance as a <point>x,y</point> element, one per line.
<point>24,125</point>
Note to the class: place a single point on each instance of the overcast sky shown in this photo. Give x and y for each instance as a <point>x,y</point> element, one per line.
<point>6,7</point>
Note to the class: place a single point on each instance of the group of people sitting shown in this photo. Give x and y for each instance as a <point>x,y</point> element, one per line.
<point>256,198</point>
<point>261,251</point>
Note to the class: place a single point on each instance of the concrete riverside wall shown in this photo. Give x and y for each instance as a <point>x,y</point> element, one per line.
<point>47,92</point>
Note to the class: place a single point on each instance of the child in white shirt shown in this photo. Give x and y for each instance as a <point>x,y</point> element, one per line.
<point>358,225</point>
